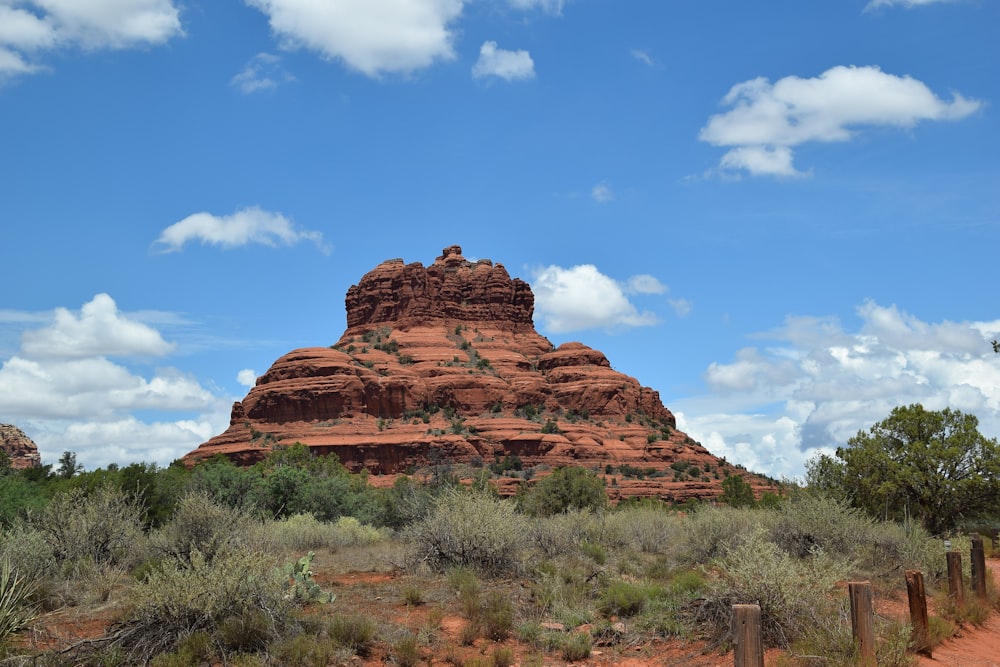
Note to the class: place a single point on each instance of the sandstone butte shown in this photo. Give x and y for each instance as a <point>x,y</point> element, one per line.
<point>22,451</point>
<point>442,365</point>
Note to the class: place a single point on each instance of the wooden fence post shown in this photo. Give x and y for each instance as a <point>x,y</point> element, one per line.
<point>863,620</point>
<point>748,647</point>
<point>995,542</point>
<point>956,586</point>
<point>978,567</point>
<point>918,611</point>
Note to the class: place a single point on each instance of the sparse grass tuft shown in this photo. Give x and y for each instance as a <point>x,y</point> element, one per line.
<point>407,651</point>
<point>354,632</point>
<point>577,646</point>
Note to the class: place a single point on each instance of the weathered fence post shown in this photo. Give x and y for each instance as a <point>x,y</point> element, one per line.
<point>918,611</point>
<point>748,647</point>
<point>863,620</point>
<point>956,586</point>
<point>995,542</point>
<point>978,567</point>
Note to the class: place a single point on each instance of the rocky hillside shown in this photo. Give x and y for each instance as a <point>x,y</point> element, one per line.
<point>442,364</point>
<point>22,451</point>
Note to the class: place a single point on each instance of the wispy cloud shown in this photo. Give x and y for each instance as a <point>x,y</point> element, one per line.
<point>602,193</point>
<point>262,72</point>
<point>246,226</point>
<point>875,4</point>
<point>550,6</point>
<point>767,121</point>
<point>643,57</point>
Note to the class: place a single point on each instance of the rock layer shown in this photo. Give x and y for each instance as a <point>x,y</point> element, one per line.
<point>22,451</point>
<point>443,365</point>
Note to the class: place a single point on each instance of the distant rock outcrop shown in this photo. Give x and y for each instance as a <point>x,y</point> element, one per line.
<point>22,451</point>
<point>442,364</point>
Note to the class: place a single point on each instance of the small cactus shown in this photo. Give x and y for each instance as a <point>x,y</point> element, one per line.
<point>300,584</point>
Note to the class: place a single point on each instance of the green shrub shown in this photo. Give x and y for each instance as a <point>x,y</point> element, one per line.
<point>104,526</point>
<point>705,533</point>
<point>195,649</point>
<point>877,549</point>
<point>470,530</point>
<point>595,552</point>
<point>296,533</point>
<point>793,593</point>
<point>560,534</point>
<point>235,596</point>
<point>648,529</point>
<point>204,525</point>
<point>404,504</point>
<point>565,489</point>
<point>349,532</point>
<point>623,598</point>
<point>28,552</point>
<point>551,427</point>
<point>809,520</point>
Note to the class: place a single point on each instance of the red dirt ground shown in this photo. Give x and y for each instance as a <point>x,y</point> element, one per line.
<point>972,647</point>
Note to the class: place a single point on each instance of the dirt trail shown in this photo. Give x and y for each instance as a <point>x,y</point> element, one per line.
<point>974,647</point>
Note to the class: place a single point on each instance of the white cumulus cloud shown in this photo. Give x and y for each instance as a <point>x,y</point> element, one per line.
<point>816,384</point>
<point>30,27</point>
<point>247,377</point>
<point>64,390</point>
<point>507,65</point>
<point>768,120</point>
<point>372,36</point>
<point>581,297</point>
<point>99,329</point>
<point>246,226</point>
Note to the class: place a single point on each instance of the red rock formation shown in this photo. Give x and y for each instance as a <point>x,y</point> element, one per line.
<point>22,451</point>
<point>451,289</point>
<point>443,364</point>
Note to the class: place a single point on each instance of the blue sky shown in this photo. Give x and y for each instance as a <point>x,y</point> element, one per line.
<point>784,216</point>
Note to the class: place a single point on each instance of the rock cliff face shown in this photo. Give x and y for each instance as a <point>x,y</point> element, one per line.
<point>442,364</point>
<point>22,451</point>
